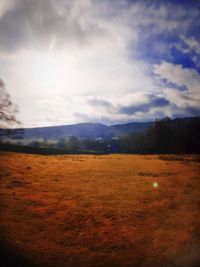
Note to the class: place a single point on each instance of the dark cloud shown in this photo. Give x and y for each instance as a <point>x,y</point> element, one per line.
<point>99,102</point>
<point>152,101</point>
<point>149,101</point>
<point>173,85</point>
<point>193,111</point>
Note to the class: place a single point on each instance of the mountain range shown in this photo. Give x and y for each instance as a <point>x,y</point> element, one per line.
<point>90,130</point>
<point>85,130</point>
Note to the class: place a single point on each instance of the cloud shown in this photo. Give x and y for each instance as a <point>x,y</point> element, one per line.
<point>186,102</point>
<point>192,44</point>
<point>124,109</point>
<point>178,75</point>
<point>151,101</point>
<point>117,59</point>
<point>98,102</point>
<point>94,118</point>
<point>53,22</point>
<point>6,6</point>
<point>45,23</point>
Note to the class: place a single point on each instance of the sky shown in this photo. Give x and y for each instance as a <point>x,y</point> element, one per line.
<point>108,61</point>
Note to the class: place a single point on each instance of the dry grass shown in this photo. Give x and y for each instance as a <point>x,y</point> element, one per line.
<point>89,210</point>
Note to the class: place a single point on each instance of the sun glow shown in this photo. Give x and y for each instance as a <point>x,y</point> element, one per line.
<point>54,72</point>
<point>46,70</point>
<point>43,71</point>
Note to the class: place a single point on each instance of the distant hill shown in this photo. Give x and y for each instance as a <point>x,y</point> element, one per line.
<point>81,131</point>
<point>84,131</point>
<point>88,130</point>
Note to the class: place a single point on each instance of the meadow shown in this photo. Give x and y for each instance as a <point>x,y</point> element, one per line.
<point>99,210</point>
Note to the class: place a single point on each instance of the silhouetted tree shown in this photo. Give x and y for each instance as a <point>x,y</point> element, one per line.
<point>192,139</point>
<point>163,135</point>
<point>8,111</point>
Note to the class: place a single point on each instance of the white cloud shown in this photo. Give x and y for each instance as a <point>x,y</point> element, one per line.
<point>190,46</point>
<point>179,75</point>
<point>192,43</point>
<point>185,102</point>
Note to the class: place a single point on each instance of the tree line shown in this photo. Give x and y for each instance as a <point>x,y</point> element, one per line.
<point>165,136</point>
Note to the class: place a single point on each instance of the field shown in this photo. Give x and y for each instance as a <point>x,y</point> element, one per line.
<point>100,210</point>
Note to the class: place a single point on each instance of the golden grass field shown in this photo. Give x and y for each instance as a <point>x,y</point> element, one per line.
<point>100,210</point>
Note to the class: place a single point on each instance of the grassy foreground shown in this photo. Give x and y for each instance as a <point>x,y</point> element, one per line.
<point>107,210</point>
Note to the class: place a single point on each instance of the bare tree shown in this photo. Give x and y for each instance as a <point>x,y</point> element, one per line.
<point>8,111</point>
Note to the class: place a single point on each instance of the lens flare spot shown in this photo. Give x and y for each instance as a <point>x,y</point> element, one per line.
<point>155,184</point>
